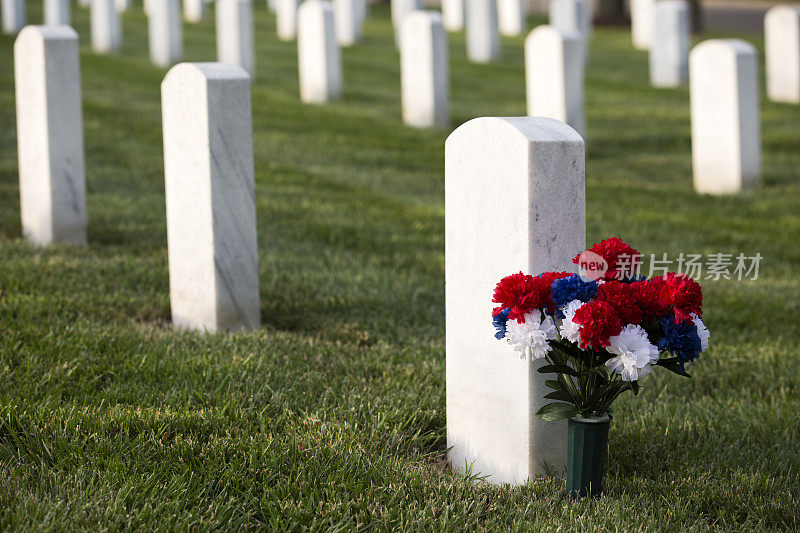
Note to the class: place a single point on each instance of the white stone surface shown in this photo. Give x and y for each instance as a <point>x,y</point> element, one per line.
<point>286,19</point>
<point>52,181</point>
<point>483,39</point>
<point>514,201</point>
<point>235,34</point>
<point>348,22</point>
<point>57,12</point>
<point>669,51</point>
<point>782,43</point>
<point>453,14</point>
<point>424,70</point>
<point>211,216</point>
<point>13,14</point>
<point>401,8</point>
<point>319,59</point>
<point>106,27</point>
<point>511,17</point>
<point>123,5</point>
<point>84,3</point>
<point>272,5</point>
<point>193,10</point>
<point>362,12</point>
<point>726,138</point>
<point>165,32</point>
<point>573,16</point>
<point>554,76</point>
<point>643,20</point>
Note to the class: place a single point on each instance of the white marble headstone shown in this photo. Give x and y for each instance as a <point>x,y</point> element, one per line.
<point>643,20</point>
<point>424,70</point>
<point>511,17</point>
<point>554,76</point>
<point>57,12</point>
<point>572,16</point>
<point>669,51</point>
<point>782,43</point>
<point>514,201</point>
<point>348,22</point>
<point>400,8</point>
<point>453,14</point>
<point>483,39</point>
<point>13,15</point>
<point>193,10</point>
<point>211,216</point>
<point>52,181</point>
<point>286,19</point>
<point>319,59</point>
<point>123,5</point>
<point>165,32</point>
<point>726,131</point>
<point>235,34</point>
<point>106,27</point>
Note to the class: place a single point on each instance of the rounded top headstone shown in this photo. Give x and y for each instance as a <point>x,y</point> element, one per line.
<point>527,129</point>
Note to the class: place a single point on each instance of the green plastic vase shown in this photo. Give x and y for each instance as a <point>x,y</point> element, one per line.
<point>587,442</point>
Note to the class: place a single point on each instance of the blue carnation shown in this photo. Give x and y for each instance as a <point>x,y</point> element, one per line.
<point>499,321</point>
<point>565,290</point>
<point>681,340</point>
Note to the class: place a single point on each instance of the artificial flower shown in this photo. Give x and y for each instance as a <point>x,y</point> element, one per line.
<point>635,354</point>
<point>569,329</point>
<point>680,339</point>
<point>599,321</point>
<point>519,293</point>
<point>621,258</point>
<point>702,332</point>
<point>571,288</point>
<point>622,298</point>
<point>532,337</point>
<point>683,294</point>
<point>499,321</point>
<point>648,297</point>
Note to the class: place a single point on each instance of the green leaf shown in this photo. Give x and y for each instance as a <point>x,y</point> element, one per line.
<point>556,411</point>
<point>671,364</point>
<point>635,388</point>
<point>557,369</point>
<point>558,395</point>
<point>556,385</point>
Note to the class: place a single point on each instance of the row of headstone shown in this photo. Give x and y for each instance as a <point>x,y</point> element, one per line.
<point>208,164</point>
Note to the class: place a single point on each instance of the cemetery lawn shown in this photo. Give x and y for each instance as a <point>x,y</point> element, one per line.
<point>332,415</point>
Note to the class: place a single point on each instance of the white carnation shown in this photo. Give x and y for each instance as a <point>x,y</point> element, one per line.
<point>569,329</point>
<point>635,354</point>
<point>702,332</point>
<point>532,337</point>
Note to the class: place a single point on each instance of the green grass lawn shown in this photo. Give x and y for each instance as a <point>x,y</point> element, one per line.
<point>332,415</point>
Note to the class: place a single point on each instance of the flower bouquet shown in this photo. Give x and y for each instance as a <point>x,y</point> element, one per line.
<point>600,332</point>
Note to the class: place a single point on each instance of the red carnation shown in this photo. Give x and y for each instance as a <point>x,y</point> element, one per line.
<point>623,260</point>
<point>520,293</point>
<point>622,298</point>
<point>683,294</point>
<point>599,322</point>
<point>648,297</point>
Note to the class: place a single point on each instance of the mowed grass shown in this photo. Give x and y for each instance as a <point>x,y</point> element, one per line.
<point>332,415</point>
